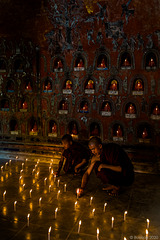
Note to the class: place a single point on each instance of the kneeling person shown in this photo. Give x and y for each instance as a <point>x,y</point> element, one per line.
<point>74,154</point>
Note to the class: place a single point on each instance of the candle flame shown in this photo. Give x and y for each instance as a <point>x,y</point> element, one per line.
<point>146,231</point>
<point>28,215</point>
<point>80,222</point>
<point>112,218</point>
<point>97,230</point>
<point>105,204</point>
<point>49,230</point>
<point>147,220</point>
<point>125,212</point>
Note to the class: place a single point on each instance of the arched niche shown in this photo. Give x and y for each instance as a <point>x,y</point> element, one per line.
<point>94,129</point>
<point>52,128</point>
<point>73,129</point>
<point>106,108</point>
<point>144,132</point>
<point>102,62</point>
<point>113,87</point>
<point>5,106</point>
<point>58,64</point>
<point>19,65</point>
<point>28,85</point>
<point>13,127</point>
<point>150,60</point>
<point>47,86</point>
<point>117,132</point>
<point>79,63</point>
<point>33,126</point>
<point>10,86</point>
<point>3,65</point>
<point>63,107</point>
<point>130,110</point>
<point>138,86</point>
<point>155,111</point>
<point>67,86</point>
<point>84,106</point>
<point>23,105</point>
<point>125,61</point>
<point>89,86</point>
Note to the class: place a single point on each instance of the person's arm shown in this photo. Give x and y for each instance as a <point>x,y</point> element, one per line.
<point>111,167</point>
<point>60,165</point>
<point>80,165</point>
<point>86,175</point>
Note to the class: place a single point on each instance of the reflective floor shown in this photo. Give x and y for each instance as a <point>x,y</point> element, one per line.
<point>36,206</point>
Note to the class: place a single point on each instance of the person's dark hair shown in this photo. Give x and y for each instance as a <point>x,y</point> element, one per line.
<point>67,138</point>
<point>95,140</point>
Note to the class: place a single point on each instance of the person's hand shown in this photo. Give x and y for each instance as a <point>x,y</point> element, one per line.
<point>76,170</point>
<point>56,173</point>
<point>100,167</point>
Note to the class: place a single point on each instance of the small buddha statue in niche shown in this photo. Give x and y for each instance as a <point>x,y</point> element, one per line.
<point>107,107</point>
<point>138,85</point>
<point>126,63</point>
<point>68,84</point>
<point>59,64</point>
<point>48,86</point>
<point>16,127</point>
<point>113,85</point>
<point>102,64</point>
<point>144,133</point>
<point>131,109</point>
<point>34,129</point>
<point>64,106</point>
<point>151,63</point>
<point>74,130</point>
<point>119,131</point>
<point>80,64</point>
<point>90,84</point>
<point>54,128</point>
<point>85,107</point>
<point>156,110</point>
<point>24,105</point>
<point>95,131</point>
<point>28,87</point>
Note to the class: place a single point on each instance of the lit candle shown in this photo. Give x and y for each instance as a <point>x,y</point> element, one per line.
<point>49,188</point>
<point>147,223</point>
<point>49,233</point>
<point>56,210</point>
<point>91,201</point>
<point>21,171</point>
<point>33,171</point>
<point>125,213</point>
<point>6,165</point>
<point>79,226</point>
<point>104,209</point>
<point>2,169</point>
<point>4,196</point>
<point>40,202</point>
<point>45,180</point>
<point>65,187</point>
<point>77,193</point>
<point>55,178</point>
<point>22,165</point>
<point>24,186</point>
<point>30,193</point>
<point>26,159</point>
<point>93,211</point>
<point>20,178</point>
<point>58,183</point>
<point>49,169</point>
<point>15,203</point>
<point>16,157</point>
<point>75,205</point>
<point>28,219</point>
<point>146,234</point>
<point>58,194</point>
<point>125,238</point>
<point>10,161</point>
<point>112,221</point>
<point>97,233</point>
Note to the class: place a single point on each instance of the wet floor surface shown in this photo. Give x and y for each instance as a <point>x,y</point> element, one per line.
<point>29,196</point>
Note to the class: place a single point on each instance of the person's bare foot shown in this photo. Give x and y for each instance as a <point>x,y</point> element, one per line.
<point>109,188</point>
<point>113,190</point>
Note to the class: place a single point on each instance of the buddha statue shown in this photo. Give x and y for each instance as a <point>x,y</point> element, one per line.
<point>54,128</point>
<point>28,87</point>
<point>64,106</point>
<point>126,63</point>
<point>144,133</point>
<point>24,105</point>
<point>34,129</point>
<point>151,63</point>
<point>119,131</point>
<point>74,129</point>
<point>85,107</point>
<point>107,107</point>
<point>156,110</point>
<point>48,86</point>
<point>90,84</point>
<point>102,64</point>
<point>131,109</point>
<point>138,85</point>
<point>113,85</point>
<point>68,84</point>
<point>80,64</point>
